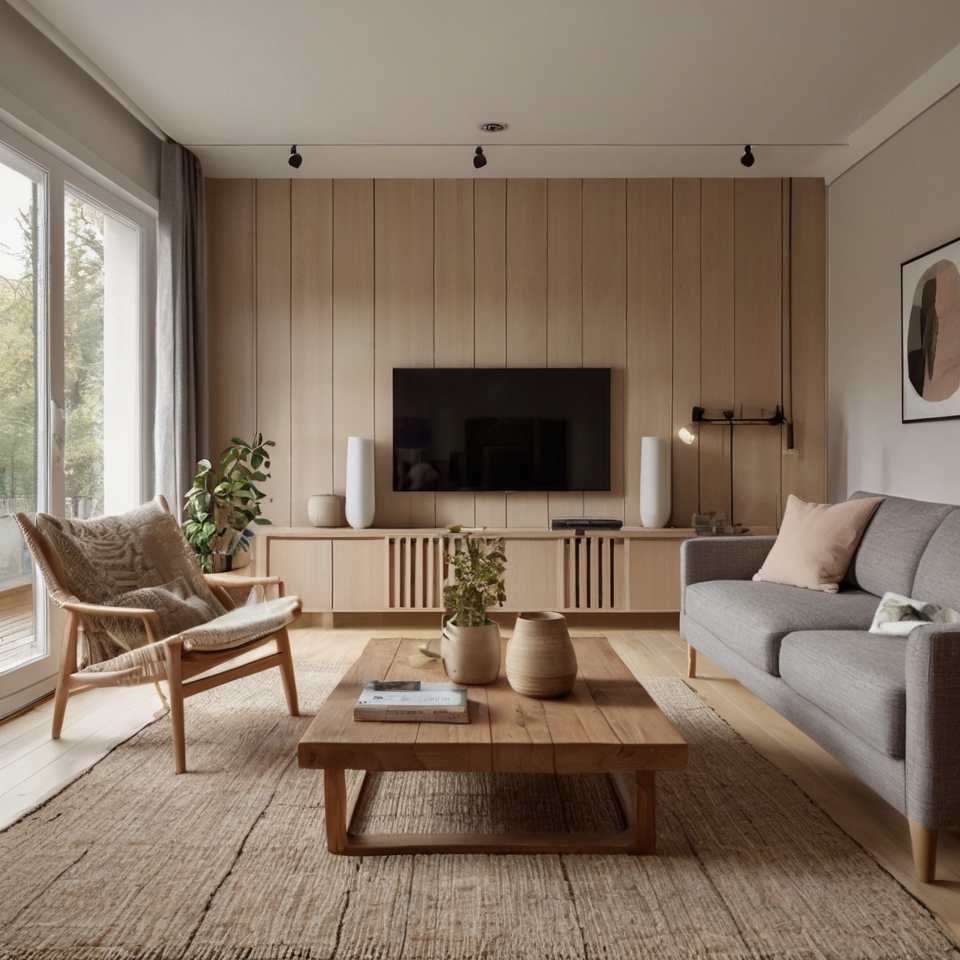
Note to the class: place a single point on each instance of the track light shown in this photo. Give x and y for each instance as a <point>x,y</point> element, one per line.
<point>479,159</point>
<point>295,158</point>
<point>748,159</point>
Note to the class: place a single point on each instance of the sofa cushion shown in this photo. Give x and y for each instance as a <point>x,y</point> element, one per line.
<point>752,617</point>
<point>892,545</point>
<point>857,678</point>
<point>938,575</point>
<point>816,542</point>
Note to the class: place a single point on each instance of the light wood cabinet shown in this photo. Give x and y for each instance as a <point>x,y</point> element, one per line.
<point>341,570</point>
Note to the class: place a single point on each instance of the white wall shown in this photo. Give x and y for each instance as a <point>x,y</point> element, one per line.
<point>899,202</point>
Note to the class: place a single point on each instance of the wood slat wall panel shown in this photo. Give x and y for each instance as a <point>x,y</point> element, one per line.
<point>273,340</point>
<point>680,286</point>
<point>311,360</point>
<point>490,307</point>
<point>403,326</point>
<point>526,309</point>
<point>353,386</point>
<point>564,300</point>
<point>716,339</point>
<point>804,469</point>
<point>231,285</point>
<point>453,301</point>
<point>686,347</point>
<point>648,392</point>
<point>605,329</point>
<point>757,343</point>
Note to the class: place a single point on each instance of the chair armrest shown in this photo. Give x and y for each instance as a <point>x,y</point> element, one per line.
<point>932,755</point>
<point>233,591</point>
<point>150,618</point>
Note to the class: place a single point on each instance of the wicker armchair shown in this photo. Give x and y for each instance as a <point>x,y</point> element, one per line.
<point>139,610</point>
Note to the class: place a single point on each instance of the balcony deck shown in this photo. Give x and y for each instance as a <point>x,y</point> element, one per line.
<point>16,622</point>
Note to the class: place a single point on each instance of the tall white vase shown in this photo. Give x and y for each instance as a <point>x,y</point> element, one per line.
<point>361,502</point>
<point>654,481</point>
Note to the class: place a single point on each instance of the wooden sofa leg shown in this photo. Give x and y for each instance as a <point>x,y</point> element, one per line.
<point>924,842</point>
<point>691,661</point>
<point>68,664</point>
<point>287,672</point>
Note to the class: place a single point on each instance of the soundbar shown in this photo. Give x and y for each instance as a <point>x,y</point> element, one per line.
<point>584,523</point>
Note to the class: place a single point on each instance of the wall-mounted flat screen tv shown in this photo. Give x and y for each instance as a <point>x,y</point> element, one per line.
<point>511,429</point>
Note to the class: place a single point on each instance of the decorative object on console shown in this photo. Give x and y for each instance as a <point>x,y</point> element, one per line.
<point>361,494</point>
<point>654,482</point>
<point>816,542</point>
<point>323,509</point>
<point>541,661</point>
<point>470,641</point>
<point>221,506</point>
<point>930,334</point>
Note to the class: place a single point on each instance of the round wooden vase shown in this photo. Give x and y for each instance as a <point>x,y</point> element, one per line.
<point>541,661</point>
<point>471,654</point>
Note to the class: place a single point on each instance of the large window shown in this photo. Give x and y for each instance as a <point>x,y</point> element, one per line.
<point>76,295</point>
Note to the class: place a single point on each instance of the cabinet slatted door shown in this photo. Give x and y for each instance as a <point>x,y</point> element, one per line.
<point>415,569</point>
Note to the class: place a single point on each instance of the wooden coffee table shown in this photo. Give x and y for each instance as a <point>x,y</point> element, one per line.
<point>607,724</point>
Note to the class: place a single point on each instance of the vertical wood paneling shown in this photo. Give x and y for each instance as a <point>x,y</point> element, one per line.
<point>353,389</point>
<point>683,287</point>
<point>311,362</point>
<point>490,307</point>
<point>804,468</point>
<point>649,325</point>
<point>273,340</point>
<point>686,347</point>
<point>716,340</point>
<point>757,343</point>
<point>526,309</point>
<point>453,303</point>
<point>564,301</point>
<point>605,326</point>
<point>231,290</point>
<point>403,218</point>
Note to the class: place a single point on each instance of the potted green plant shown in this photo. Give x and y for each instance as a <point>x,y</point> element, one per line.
<point>470,641</point>
<point>223,503</point>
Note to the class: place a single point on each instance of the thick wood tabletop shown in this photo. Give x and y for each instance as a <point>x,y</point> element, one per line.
<point>607,723</point>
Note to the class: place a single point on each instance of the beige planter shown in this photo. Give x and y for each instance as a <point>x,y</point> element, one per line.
<point>471,654</point>
<point>541,661</point>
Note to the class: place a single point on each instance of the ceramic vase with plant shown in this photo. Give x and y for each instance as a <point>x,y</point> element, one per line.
<point>470,643</point>
<point>224,502</point>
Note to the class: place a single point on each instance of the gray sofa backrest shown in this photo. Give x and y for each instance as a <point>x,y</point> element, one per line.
<point>893,543</point>
<point>938,575</point>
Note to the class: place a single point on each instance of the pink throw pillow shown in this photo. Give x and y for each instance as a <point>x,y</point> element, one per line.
<point>816,542</point>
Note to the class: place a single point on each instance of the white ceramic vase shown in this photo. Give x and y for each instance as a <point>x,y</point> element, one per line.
<point>471,654</point>
<point>541,661</point>
<point>654,481</point>
<point>361,502</point>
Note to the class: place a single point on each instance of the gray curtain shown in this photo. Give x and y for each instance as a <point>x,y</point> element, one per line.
<point>181,354</point>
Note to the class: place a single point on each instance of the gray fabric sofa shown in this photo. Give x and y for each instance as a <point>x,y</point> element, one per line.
<point>888,708</point>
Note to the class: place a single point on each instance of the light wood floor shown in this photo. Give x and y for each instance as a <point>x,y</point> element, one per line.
<point>32,766</point>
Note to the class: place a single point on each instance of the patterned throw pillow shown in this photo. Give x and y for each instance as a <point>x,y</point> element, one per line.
<point>897,616</point>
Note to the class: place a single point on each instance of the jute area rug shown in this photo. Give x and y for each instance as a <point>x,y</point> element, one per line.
<point>229,861</point>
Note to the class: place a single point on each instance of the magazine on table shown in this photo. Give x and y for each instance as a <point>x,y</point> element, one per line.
<point>417,701</point>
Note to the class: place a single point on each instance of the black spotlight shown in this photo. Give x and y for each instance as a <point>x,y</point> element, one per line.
<point>748,159</point>
<point>479,159</point>
<point>295,158</point>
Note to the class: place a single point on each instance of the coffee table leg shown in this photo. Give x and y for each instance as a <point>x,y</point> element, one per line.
<point>335,798</point>
<point>645,812</point>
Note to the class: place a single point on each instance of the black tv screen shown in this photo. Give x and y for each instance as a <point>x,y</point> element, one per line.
<point>501,429</point>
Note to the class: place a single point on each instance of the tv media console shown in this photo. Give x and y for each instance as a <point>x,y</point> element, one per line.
<point>376,570</point>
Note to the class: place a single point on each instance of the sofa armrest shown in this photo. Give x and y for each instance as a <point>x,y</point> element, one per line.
<point>721,558</point>
<point>933,721</point>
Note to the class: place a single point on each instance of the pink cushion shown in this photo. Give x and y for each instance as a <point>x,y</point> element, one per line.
<point>816,543</point>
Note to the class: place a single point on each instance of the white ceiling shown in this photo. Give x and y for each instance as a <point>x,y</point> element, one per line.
<point>587,87</point>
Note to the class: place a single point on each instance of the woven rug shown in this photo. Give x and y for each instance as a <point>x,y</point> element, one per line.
<point>229,860</point>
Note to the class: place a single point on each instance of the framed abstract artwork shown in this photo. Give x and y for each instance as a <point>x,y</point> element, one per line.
<point>930,334</point>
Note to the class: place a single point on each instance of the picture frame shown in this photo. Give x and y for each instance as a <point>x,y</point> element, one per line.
<point>930,335</point>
